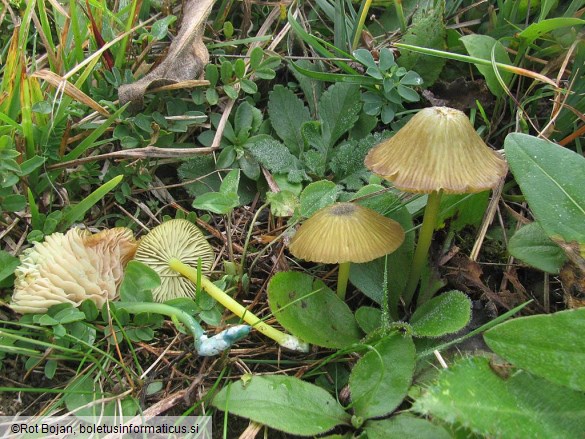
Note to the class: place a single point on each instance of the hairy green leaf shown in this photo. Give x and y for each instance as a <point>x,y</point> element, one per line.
<point>283,403</point>
<point>380,380</point>
<point>310,310</point>
<point>551,346</point>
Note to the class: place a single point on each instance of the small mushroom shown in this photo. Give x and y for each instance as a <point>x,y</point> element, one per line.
<point>437,151</point>
<point>174,249</point>
<point>72,267</point>
<point>178,239</point>
<point>343,233</point>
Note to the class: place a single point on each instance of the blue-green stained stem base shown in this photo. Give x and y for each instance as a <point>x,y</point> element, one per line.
<point>205,346</point>
<point>342,278</point>
<point>424,243</point>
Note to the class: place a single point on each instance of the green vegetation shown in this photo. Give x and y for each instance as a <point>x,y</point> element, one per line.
<point>246,119</point>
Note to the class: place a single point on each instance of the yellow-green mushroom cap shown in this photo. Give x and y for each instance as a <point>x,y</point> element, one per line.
<point>437,149</point>
<point>72,267</point>
<point>346,232</point>
<point>178,239</point>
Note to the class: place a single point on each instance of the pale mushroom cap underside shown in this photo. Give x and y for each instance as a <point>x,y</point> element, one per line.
<point>178,239</point>
<point>72,267</point>
<point>346,232</point>
<point>437,149</point>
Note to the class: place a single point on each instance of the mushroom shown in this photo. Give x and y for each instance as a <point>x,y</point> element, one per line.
<point>72,267</point>
<point>343,233</point>
<point>437,151</point>
<point>174,250</point>
<point>178,239</point>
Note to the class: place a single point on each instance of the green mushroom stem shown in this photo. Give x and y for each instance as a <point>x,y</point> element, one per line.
<point>422,248</point>
<point>285,340</point>
<point>342,278</point>
<point>205,346</point>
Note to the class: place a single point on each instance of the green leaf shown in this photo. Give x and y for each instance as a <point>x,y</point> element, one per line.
<point>365,57</point>
<point>318,195</point>
<point>310,310</point>
<point>90,140</point>
<point>283,403</point>
<point>8,264</point>
<point>381,379</point>
<point>194,169</point>
<point>347,162</point>
<point>427,30</point>
<point>13,203</point>
<point>551,346</point>
<point>339,110</point>
<point>287,113</point>
<point>139,281</point>
<point>531,245</point>
<point>69,315</point>
<point>230,91</point>
<point>160,28</point>
<point>482,46</point>
<point>256,57</point>
<point>311,88</point>
<point>444,314</point>
<point>469,394</point>
<point>536,30</point>
<point>77,212</point>
<point>272,154</point>
<point>248,86</point>
<point>239,68</point>
<point>212,74</point>
<point>368,318</point>
<point>404,427</point>
<point>31,164</point>
<point>283,203</point>
<point>552,178</point>
<point>82,391</point>
<point>463,210</point>
<point>217,202</point>
<point>230,182</point>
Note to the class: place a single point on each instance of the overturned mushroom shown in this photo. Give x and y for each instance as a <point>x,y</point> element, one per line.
<point>343,233</point>
<point>174,249</point>
<point>72,267</point>
<point>178,239</point>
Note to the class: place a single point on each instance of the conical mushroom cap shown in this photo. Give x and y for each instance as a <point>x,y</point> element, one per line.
<point>72,267</point>
<point>346,232</point>
<point>437,149</point>
<point>178,239</point>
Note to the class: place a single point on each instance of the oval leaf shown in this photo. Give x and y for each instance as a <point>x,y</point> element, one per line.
<point>405,427</point>
<point>470,394</point>
<point>380,380</point>
<point>283,403</point>
<point>482,46</point>
<point>552,179</point>
<point>311,311</point>
<point>551,346</point>
<point>442,315</point>
<point>531,245</point>
<point>318,195</point>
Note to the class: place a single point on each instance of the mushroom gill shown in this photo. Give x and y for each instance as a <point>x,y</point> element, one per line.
<point>72,267</point>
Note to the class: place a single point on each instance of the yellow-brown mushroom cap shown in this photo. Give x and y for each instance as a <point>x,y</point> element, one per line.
<point>72,267</point>
<point>437,149</point>
<point>178,239</point>
<point>346,232</point>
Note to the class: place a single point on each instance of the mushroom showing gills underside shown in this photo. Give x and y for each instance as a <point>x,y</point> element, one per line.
<point>344,233</point>
<point>174,250</point>
<point>72,267</point>
<point>437,151</point>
